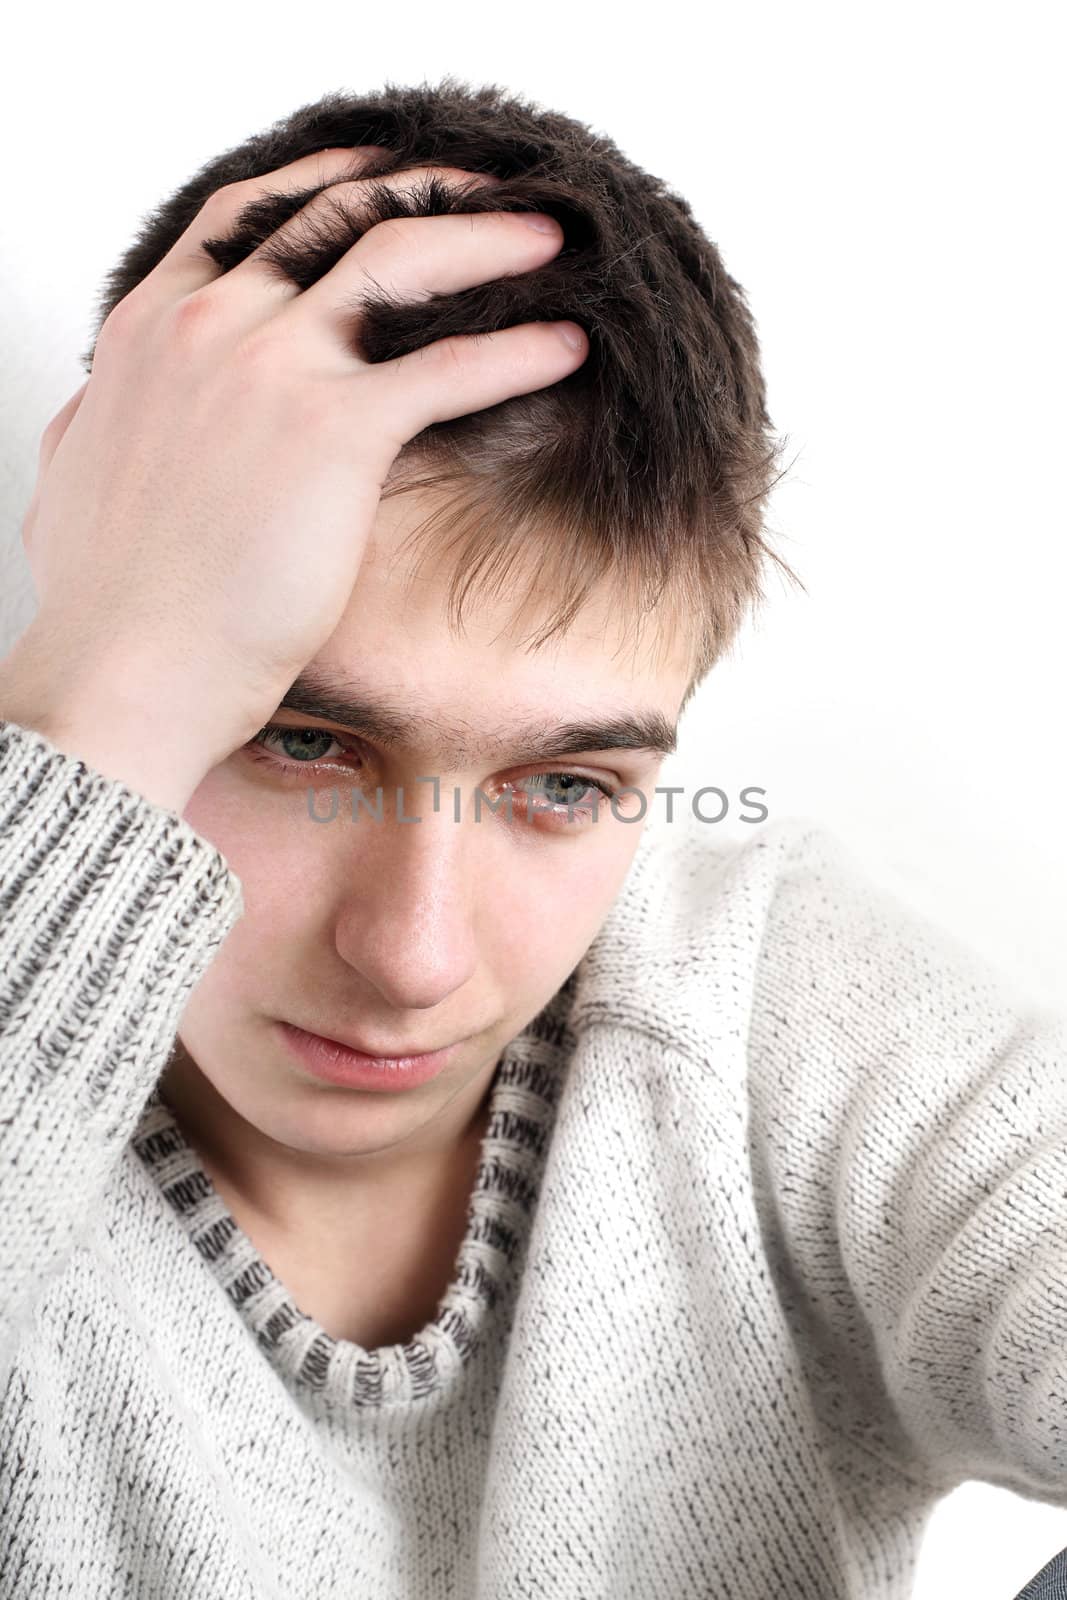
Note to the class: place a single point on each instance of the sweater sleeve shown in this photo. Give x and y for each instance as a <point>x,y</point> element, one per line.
<point>111,908</point>
<point>908,1138</point>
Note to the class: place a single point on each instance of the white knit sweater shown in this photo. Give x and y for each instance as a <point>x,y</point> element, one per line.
<point>766,1253</point>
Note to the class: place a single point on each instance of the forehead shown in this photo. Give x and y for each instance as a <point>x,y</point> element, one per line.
<point>401,623</point>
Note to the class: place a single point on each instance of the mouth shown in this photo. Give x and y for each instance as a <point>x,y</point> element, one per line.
<point>350,1066</point>
<point>360,1048</point>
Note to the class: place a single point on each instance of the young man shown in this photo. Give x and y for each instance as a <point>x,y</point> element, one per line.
<point>692,1219</point>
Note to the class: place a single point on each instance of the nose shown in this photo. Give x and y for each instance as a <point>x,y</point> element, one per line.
<point>407,923</point>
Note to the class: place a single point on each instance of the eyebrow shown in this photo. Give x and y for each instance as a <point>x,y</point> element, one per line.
<point>386,721</point>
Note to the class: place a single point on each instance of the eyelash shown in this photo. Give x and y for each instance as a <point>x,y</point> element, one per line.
<point>289,768</point>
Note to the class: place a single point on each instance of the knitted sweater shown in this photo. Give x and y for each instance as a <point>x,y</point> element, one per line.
<point>765,1253</point>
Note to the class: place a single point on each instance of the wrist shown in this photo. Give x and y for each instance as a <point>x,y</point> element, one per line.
<point>114,722</point>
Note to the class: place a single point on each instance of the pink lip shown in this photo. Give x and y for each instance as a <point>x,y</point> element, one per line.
<point>333,1062</point>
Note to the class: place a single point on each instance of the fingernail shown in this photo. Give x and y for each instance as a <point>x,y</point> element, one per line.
<point>571,334</point>
<point>539,223</point>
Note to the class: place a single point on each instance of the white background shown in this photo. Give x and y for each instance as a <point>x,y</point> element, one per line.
<point>886,182</point>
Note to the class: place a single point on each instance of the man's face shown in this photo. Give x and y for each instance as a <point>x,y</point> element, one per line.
<point>413,936</point>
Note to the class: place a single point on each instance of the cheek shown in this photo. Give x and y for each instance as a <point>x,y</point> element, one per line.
<point>541,916</point>
<point>279,944</point>
<point>266,839</point>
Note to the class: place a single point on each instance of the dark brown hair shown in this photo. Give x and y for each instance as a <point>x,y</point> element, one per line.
<point>652,463</point>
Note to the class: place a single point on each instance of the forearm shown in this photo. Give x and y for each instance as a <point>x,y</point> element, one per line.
<point>110,911</point>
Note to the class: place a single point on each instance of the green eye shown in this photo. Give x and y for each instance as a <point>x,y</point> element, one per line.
<point>563,788</point>
<point>304,744</point>
<point>294,747</point>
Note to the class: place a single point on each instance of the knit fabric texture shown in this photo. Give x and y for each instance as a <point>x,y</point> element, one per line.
<point>1050,1583</point>
<point>764,1254</point>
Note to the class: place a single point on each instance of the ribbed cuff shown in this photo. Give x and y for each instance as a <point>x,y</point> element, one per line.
<point>111,908</point>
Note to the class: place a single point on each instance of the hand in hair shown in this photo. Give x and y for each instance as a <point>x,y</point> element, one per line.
<point>204,500</point>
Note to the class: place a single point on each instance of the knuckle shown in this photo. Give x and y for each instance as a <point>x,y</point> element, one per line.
<point>122,322</point>
<point>461,176</point>
<point>260,353</point>
<point>460,352</point>
<point>450,353</point>
<point>469,352</point>
<point>388,237</point>
<point>222,204</point>
<point>224,198</point>
<point>191,319</point>
<point>455,359</point>
<point>267,363</point>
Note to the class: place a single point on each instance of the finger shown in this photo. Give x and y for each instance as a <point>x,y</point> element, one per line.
<point>186,267</point>
<point>414,258</point>
<point>468,372</point>
<point>333,214</point>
